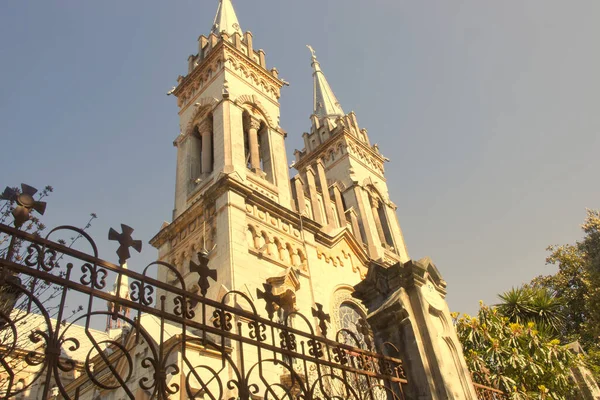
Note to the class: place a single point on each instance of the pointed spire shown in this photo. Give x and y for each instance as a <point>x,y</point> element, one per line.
<point>226,20</point>
<point>325,104</point>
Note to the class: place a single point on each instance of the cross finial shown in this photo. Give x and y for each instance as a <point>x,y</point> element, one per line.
<point>312,51</point>
<point>204,272</point>
<point>25,203</point>
<point>322,317</point>
<point>273,301</point>
<point>125,241</point>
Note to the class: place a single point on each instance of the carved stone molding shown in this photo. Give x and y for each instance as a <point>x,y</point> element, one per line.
<point>205,106</point>
<point>343,295</point>
<point>254,102</point>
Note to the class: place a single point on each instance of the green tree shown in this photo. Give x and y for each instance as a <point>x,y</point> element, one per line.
<point>516,358</point>
<point>577,285</point>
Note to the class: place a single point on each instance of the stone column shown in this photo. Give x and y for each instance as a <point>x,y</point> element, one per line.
<point>378,226</point>
<point>206,130</point>
<point>407,308</point>
<point>314,197</point>
<point>254,125</point>
<point>339,204</point>
<point>180,176</point>
<point>325,191</point>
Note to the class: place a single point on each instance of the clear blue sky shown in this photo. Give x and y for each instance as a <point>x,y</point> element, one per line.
<point>489,112</point>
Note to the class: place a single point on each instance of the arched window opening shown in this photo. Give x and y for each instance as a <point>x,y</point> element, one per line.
<point>353,319</point>
<point>193,157</point>
<point>265,153</point>
<point>202,154</point>
<point>385,225</point>
<point>257,147</point>
<point>381,222</point>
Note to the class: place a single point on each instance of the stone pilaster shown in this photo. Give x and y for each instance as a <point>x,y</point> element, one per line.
<point>354,222</point>
<point>339,205</point>
<point>314,197</point>
<point>299,187</point>
<point>179,177</point>
<point>280,166</point>
<point>228,147</point>
<point>307,145</point>
<point>325,191</point>
<point>397,236</point>
<point>368,223</point>
<point>378,225</point>
<point>407,308</point>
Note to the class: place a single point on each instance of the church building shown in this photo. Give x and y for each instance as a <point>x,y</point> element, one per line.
<point>311,237</point>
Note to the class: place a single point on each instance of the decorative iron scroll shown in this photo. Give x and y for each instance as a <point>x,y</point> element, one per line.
<point>176,343</point>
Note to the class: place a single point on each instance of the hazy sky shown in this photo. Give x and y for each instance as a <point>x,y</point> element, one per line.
<point>488,110</point>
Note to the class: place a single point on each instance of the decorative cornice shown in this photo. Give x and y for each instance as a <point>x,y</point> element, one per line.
<point>204,105</point>
<point>252,64</point>
<point>344,234</point>
<point>353,142</point>
<point>382,282</point>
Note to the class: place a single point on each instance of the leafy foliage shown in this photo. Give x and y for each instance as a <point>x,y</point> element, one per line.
<point>526,304</point>
<point>514,357</point>
<point>577,285</point>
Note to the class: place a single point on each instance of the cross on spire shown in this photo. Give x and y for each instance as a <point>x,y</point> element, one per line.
<point>325,104</point>
<point>126,241</point>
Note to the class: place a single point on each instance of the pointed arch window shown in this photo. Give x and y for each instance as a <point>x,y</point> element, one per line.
<point>205,133</point>
<point>382,224</point>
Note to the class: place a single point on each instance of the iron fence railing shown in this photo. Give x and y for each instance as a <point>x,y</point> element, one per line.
<point>171,342</point>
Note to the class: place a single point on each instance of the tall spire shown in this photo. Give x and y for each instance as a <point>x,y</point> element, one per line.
<point>226,20</point>
<point>325,104</point>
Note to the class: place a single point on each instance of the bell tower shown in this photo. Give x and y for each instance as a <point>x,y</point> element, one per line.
<point>339,163</point>
<point>310,238</point>
<point>229,115</point>
<point>230,147</point>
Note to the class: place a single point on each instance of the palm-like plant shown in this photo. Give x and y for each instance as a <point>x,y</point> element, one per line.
<point>538,305</point>
<point>548,310</point>
<point>516,304</point>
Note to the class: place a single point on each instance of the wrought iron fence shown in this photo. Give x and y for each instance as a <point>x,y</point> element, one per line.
<point>175,343</point>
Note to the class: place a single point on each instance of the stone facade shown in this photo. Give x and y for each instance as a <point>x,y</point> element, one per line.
<point>234,195</point>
